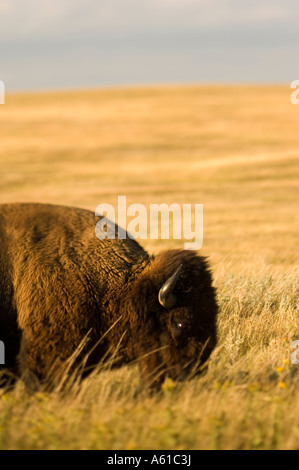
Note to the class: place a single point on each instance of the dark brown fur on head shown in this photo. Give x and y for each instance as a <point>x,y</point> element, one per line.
<point>59,285</point>
<point>174,342</point>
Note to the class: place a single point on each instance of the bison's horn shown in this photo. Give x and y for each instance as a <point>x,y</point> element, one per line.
<point>166,296</point>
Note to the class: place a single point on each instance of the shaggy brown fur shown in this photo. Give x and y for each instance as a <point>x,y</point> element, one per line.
<point>60,284</point>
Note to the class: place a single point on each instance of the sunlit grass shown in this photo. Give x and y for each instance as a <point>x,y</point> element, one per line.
<point>248,399</point>
<point>233,149</point>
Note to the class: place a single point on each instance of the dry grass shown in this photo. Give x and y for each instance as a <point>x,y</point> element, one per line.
<point>234,149</point>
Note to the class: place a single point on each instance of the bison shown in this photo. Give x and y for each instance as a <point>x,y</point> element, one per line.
<point>64,290</point>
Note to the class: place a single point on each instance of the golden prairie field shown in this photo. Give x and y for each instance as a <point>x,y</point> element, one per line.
<point>234,149</point>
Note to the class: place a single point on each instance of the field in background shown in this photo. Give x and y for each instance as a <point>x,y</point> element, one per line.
<point>232,148</point>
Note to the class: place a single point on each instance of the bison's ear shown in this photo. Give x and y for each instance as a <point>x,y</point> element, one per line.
<point>167,298</point>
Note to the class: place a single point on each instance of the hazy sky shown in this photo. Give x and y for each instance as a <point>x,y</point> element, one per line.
<point>79,43</point>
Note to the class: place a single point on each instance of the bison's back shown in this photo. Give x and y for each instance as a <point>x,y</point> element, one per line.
<point>56,237</point>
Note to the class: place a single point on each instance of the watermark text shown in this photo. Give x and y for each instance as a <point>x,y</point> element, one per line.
<point>2,353</point>
<point>295,354</point>
<point>295,94</point>
<point>2,92</point>
<point>163,222</point>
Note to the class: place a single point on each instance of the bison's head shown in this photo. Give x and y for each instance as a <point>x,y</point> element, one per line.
<point>173,313</point>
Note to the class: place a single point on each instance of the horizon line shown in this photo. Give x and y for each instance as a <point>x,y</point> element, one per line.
<point>131,86</point>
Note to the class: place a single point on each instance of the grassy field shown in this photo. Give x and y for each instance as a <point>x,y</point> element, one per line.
<point>234,149</point>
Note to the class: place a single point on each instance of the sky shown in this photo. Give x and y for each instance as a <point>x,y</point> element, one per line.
<point>63,44</point>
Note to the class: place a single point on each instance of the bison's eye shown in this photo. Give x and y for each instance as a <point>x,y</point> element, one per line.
<point>180,329</point>
<point>180,325</point>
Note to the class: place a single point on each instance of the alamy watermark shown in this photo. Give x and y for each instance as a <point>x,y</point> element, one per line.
<point>295,94</point>
<point>155,225</point>
<point>295,354</point>
<point>2,92</point>
<point>2,353</point>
